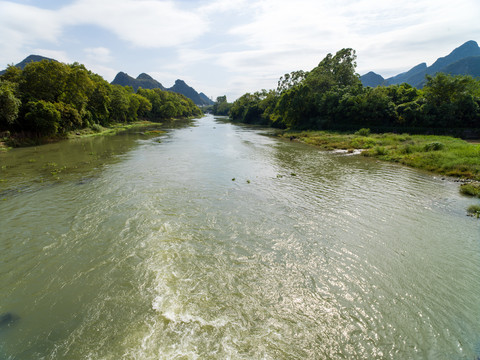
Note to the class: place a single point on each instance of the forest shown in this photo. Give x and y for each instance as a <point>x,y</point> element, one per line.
<point>331,97</point>
<point>49,98</point>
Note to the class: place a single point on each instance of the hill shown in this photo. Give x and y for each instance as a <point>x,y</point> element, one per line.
<point>464,60</point>
<point>143,80</point>
<point>147,82</point>
<point>29,59</point>
<point>182,88</point>
<point>372,79</point>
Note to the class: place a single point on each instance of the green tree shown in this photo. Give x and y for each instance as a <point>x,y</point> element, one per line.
<point>288,81</point>
<point>144,107</point>
<point>13,74</point>
<point>70,118</point>
<point>221,106</point>
<point>451,101</point>
<point>9,105</point>
<point>99,101</point>
<point>42,117</point>
<point>43,80</point>
<point>78,87</point>
<point>120,103</point>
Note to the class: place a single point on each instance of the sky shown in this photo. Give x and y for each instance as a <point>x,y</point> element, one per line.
<point>230,47</point>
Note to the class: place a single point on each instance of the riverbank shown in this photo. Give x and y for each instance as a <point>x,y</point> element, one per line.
<point>14,140</point>
<point>443,155</point>
<point>23,139</point>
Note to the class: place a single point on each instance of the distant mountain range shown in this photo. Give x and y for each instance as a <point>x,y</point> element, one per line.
<point>464,60</point>
<point>143,80</point>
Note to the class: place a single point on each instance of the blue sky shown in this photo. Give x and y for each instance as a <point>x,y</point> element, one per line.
<point>233,46</point>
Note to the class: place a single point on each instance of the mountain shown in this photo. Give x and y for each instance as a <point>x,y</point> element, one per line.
<point>403,77</point>
<point>205,98</point>
<point>469,65</point>
<point>470,48</point>
<point>182,88</point>
<point>147,82</point>
<point>143,80</point>
<point>29,59</point>
<point>372,79</point>
<point>464,60</point>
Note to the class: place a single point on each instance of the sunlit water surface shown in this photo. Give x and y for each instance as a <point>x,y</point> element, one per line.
<point>214,241</point>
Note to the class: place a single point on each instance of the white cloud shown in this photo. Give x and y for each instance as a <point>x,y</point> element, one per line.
<point>106,72</point>
<point>53,54</point>
<point>238,45</point>
<point>21,25</point>
<point>222,6</point>
<point>143,23</point>
<point>388,35</point>
<point>98,54</point>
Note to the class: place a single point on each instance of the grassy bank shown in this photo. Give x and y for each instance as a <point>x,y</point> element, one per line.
<point>22,139</point>
<point>440,154</point>
<point>98,130</point>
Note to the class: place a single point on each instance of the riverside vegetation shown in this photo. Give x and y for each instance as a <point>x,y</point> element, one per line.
<point>50,100</point>
<point>329,107</point>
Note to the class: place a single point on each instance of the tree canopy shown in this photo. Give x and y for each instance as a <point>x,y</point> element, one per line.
<point>49,97</point>
<point>331,96</point>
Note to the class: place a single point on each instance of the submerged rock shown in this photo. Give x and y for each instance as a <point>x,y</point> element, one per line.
<point>8,319</point>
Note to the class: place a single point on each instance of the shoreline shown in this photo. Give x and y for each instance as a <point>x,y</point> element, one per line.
<point>18,140</point>
<point>442,155</point>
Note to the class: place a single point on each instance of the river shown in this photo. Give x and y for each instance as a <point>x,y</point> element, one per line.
<point>216,241</point>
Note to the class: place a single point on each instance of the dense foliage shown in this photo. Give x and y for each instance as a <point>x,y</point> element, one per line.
<point>221,106</point>
<point>331,97</point>
<point>48,98</point>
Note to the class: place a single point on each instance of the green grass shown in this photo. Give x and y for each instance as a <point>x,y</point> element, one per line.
<point>474,210</point>
<point>470,189</point>
<point>440,154</point>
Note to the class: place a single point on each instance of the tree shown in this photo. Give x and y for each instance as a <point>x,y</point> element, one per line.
<point>302,101</point>
<point>451,101</point>
<point>42,117</point>
<point>221,106</point>
<point>144,107</point>
<point>9,105</point>
<point>120,103</point>
<point>70,119</point>
<point>288,81</point>
<point>43,80</point>
<point>99,101</point>
<point>334,70</point>
<point>78,87</point>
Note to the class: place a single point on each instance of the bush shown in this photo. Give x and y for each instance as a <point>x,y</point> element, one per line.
<point>363,132</point>
<point>363,143</point>
<point>97,128</point>
<point>434,146</point>
<point>474,210</point>
<point>471,189</point>
<point>43,117</point>
<point>380,150</point>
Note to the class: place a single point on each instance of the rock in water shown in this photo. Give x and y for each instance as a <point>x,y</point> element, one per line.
<point>8,319</point>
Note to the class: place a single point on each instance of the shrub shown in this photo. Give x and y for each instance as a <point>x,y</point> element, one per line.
<point>97,128</point>
<point>474,210</point>
<point>363,143</point>
<point>471,189</point>
<point>380,150</point>
<point>43,117</point>
<point>363,132</point>
<point>434,146</point>
<point>407,149</point>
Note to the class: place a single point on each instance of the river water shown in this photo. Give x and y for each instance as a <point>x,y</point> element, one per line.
<point>215,241</point>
